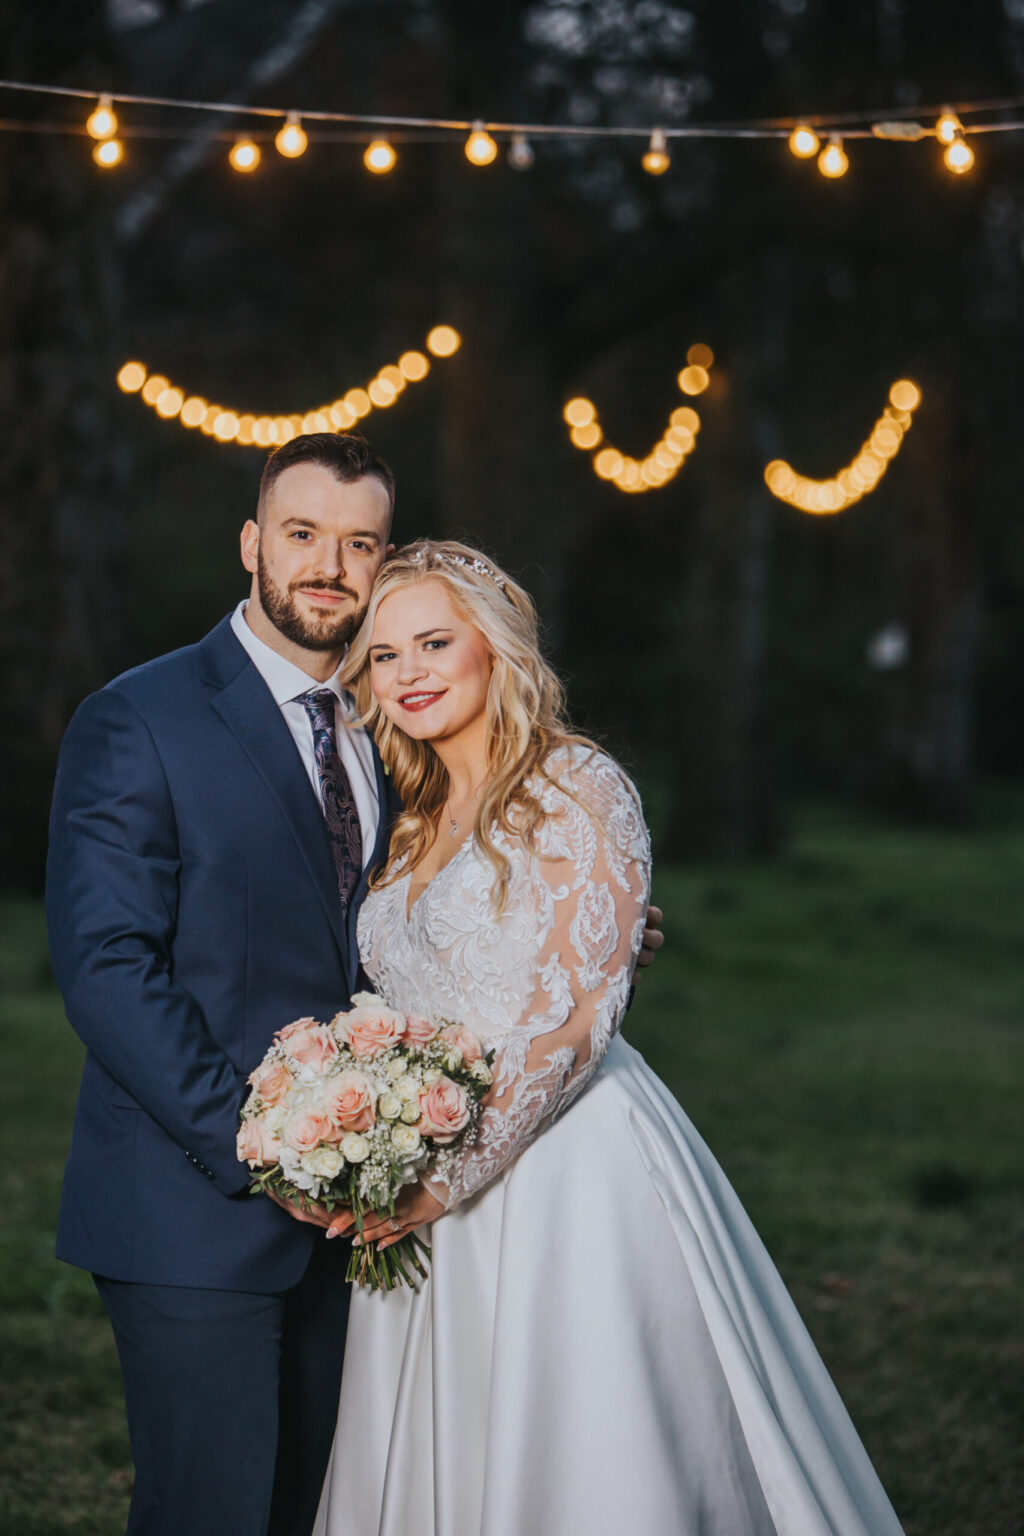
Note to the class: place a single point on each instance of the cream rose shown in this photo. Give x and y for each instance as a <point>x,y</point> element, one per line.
<point>406,1140</point>
<point>411,1111</point>
<point>389,1106</point>
<point>463,1040</point>
<point>481,1071</point>
<point>256,1144</point>
<point>355,1148</point>
<point>408,1090</point>
<point>307,1130</point>
<point>372,1030</point>
<point>348,1099</point>
<point>444,1111</point>
<point>396,1068</point>
<point>432,1075</point>
<point>323,1162</point>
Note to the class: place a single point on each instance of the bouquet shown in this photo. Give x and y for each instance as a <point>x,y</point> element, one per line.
<point>348,1113</point>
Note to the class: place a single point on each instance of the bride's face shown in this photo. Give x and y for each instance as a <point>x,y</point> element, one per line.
<point>429,667</point>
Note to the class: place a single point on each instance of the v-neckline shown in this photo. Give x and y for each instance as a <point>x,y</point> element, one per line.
<point>408,906</point>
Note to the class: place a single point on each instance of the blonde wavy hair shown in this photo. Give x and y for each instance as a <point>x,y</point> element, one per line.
<point>524,709</point>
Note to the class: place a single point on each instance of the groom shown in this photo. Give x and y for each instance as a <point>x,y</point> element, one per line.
<point>214,825</point>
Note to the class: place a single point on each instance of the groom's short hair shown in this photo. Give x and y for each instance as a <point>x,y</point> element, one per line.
<point>346,455</point>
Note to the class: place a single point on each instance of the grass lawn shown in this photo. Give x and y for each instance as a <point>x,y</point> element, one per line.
<point>845,1028</point>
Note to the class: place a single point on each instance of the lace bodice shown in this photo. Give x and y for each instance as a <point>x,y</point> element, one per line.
<point>547,981</point>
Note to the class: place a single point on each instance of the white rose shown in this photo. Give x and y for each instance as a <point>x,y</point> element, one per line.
<point>411,1112</point>
<point>275,1118</point>
<point>389,1106</point>
<point>481,1071</point>
<point>355,1148</point>
<point>396,1069</point>
<point>405,1139</point>
<point>325,1162</point>
<point>408,1090</point>
<point>432,1075</point>
<point>367,1000</point>
<point>453,1060</point>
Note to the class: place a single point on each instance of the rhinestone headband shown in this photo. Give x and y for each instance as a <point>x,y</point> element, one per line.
<point>439,557</point>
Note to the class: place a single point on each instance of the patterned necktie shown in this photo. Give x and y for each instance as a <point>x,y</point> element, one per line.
<point>340,812</point>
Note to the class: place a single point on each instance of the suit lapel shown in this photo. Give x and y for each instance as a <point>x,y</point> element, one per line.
<point>386,804</point>
<point>247,707</point>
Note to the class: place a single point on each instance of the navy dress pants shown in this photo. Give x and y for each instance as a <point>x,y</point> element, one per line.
<point>232,1400</point>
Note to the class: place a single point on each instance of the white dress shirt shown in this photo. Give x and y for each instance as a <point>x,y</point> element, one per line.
<point>287,683</point>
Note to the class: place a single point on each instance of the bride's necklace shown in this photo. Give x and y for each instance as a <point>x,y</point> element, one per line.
<point>455,827</point>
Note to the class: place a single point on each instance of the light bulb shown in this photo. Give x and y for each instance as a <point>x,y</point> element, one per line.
<point>443,340</point>
<point>959,156</point>
<point>833,162</point>
<point>244,155</point>
<point>693,380</point>
<point>947,126</point>
<point>579,412</point>
<point>520,152</point>
<point>700,355</point>
<point>480,147</point>
<point>101,122</point>
<point>131,378</point>
<point>656,161</point>
<point>414,366</point>
<point>379,157</point>
<point>804,142</point>
<point>108,153</point>
<point>291,140</point>
<point>905,395</point>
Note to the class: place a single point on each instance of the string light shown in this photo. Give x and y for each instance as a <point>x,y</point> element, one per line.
<point>694,379</point>
<point>249,430</point>
<point>108,153</point>
<point>804,142</point>
<point>520,152</point>
<point>480,147</point>
<point>862,474</point>
<point>660,465</point>
<point>833,161</point>
<point>380,157</point>
<point>102,121</point>
<point>657,159</point>
<point>958,156</point>
<point>947,126</point>
<point>291,140</point>
<point>245,155</point>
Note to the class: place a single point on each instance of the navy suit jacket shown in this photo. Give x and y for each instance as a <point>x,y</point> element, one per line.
<point>193,909</point>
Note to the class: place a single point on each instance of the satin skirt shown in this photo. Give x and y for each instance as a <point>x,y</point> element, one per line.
<point>602,1344</point>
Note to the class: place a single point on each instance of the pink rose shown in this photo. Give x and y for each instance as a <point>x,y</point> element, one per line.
<point>307,1130</point>
<point>255,1144</point>
<point>418,1031</point>
<point>444,1111</point>
<point>371,1030</point>
<point>348,1099</point>
<point>314,1046</point>
<point>465,1041</point>
<point>271,1081</point>
<point>292,1029</point>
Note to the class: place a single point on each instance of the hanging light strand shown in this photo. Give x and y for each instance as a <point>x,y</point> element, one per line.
<point>249,430</point>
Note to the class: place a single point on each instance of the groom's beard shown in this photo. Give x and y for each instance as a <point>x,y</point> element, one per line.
<point>320,632</point>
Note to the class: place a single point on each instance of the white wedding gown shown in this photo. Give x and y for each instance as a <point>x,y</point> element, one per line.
<point>603,1344</point>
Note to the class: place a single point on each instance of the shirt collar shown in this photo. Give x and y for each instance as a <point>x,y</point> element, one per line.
<point>285,680</point>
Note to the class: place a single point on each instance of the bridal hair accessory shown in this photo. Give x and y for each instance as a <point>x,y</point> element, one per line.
<point>441,557</point>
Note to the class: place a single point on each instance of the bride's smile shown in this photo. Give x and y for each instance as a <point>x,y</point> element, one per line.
<point>430,668</point>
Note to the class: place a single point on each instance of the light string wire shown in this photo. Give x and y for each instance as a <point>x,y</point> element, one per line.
<point>762,128</point>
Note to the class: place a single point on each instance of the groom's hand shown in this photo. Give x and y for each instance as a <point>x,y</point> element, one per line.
<point>303,1210</point>
<point>653,937</point>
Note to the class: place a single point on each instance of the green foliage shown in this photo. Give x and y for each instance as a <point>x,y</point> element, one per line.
<point>844,1028</point>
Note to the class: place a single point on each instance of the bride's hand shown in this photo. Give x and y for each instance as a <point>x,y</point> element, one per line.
<point>416,1207</point>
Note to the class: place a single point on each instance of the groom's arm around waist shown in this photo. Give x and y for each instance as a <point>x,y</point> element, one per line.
<point>112,909</point>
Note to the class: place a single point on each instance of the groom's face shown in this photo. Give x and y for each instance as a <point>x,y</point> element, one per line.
<point>315,552</point>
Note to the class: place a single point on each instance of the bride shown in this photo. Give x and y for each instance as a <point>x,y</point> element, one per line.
<point>602,1342</point>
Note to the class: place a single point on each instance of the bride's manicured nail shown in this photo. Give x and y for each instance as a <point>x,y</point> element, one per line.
<point>333,1232</point>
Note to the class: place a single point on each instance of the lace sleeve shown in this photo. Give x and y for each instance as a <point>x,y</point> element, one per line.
<point>587,881</point>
